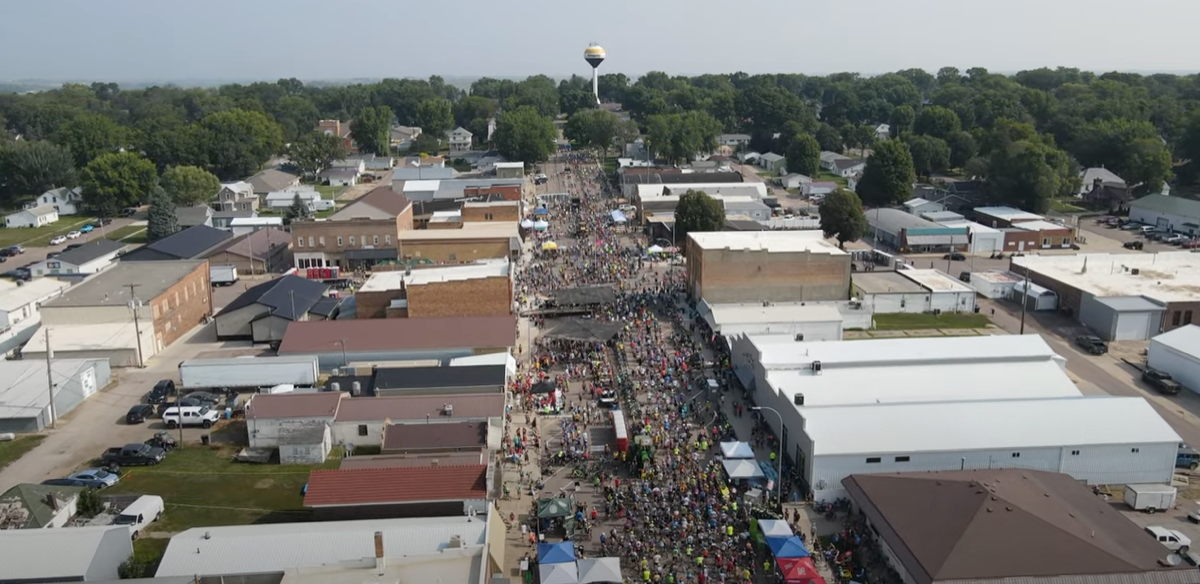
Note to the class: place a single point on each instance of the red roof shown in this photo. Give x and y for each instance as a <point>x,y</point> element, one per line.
<point>294,405</point>
<point>399,334</point>
<point>381,486</point>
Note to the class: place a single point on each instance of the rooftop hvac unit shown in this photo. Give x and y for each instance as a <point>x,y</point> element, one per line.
<point>798,399</point>
<point>1135,271</point>
<point>335,386</point>
<point>336,372</point>
<point>816,367</point>
<point>356,388</point>
<point>447,410</point>
<point>799,337</point>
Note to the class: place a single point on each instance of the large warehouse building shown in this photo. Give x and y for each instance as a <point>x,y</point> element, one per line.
<point>1167,213</point>
<point>897,230</point>
<point>25,401</point>
<point>1122,297</point>
<point>1178,353</point>
<point>730,267</point>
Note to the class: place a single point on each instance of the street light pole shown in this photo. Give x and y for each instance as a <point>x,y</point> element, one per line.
<point>779,479</point>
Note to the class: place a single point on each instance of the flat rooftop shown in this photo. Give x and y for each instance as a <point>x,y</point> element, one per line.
<point>648,192</point>
<point>1185,339</point>
<point>86,337</point>
<point>470,230</point>
<point>997,277</point>
<point>1040,225</point>
<point>971,226</point>
<point>380,281</point>
<point>922,383</point>
<point>936,281</point>
<point>111,287</point>
<point>1172,276</point>
<point>906,351</point>
<point>13,296</point>
<point>726,314</point>
<point>885,283</point>
<point>421,185</point>
<point>985,425</point>
<point>812,241</point>
<point>1008,213</point>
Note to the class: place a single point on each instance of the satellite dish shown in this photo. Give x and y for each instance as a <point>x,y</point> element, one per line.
<point>1173,560</point>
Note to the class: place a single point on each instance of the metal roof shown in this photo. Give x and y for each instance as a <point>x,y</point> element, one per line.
<point>392,485</point>
<point>49,555</point>
<point>289,297</point>
<point>1131,304</point>
<point>985,425</point>
<point>23,390</point>
<point>293,405</point>
<point>409,378</point>
<point>92,250</point>
<point>238,549</point>
<point>885,283</point>
<point>456,435</point>
<point>1008,213</point>
<point>380,281</point>
<point>894,220</point>
<point>399,334</point>
<point>812,241</point>
<point>910,351</point>
<point>1185,339</point>
<point>188,244</point>
<point>1186,208</point>
<point>729,314</point>
<point>936,280</point>
<point>468,406</point>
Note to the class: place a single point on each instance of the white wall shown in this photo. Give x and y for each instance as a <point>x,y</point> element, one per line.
<point>1183,367</point>
<point>892,303</point>
<point>114,548</point>
<point>952,301</point>
<point>1169,219</point>
<point>812,331</point>
<point>987,242</point>
<point>264,433</point>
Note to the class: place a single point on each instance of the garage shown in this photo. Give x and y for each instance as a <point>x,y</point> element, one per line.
<point>1121,318</point>
<point>1178,353</point>
<point>1035,297</point>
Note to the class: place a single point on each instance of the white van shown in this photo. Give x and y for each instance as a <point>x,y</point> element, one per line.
<point>141,512</point>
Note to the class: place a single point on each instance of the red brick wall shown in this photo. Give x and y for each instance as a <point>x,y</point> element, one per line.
<point>183,305</point>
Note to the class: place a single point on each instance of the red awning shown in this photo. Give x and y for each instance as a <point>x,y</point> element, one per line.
<point>799,571</point>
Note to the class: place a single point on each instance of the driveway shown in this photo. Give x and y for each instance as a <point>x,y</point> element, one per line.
<point>37,254</point>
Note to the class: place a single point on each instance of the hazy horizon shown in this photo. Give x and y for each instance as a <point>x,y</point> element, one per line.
<point>138,41</point>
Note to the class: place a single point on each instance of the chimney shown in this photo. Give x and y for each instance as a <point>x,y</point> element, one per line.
<point>52,501</point>
<point>1096,183</point>
<point>380,563</point>
<point>456,541</point>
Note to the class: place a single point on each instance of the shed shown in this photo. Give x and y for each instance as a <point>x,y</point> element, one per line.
<point>297,423</point>
<point>304,445</point>
<point>919,206</point>
<point>993,284</point>
<point>1121,318</point>
<point>78,554</point>
<point>1178,353</point>
<point>24,401</point>
<point>1036,298</point>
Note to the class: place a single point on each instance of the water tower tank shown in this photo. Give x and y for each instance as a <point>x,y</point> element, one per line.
<point>594,55</point>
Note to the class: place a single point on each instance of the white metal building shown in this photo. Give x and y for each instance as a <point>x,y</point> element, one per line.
<point>946,293</point>
<point>77,554</point>
<point>299,424</point>
<point>813,322</point>
<point>1178,352</point>
<point>1122,318</point>
<point>994,284</point>
<point>25,398</point>
<point>983,239</point>
<point>1097,440</point>
<point>1034,296</point>
<point>912,291</point>
<point>1166,213</point>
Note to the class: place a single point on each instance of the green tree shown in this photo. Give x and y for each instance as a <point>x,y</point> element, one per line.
<point>858,135</point>
<point>842,217</point>
<point>829,139</point>
<point>593,128</point>
<point>1029,175</point>
<point>962,148</point>
<point>162,221</point>
<point>929,155</point>
<point>526,135</point>
<point>297,210</point>
<point>889,175</point>
<point>901,120</point>
<point>937,121</point>
<point>297,116</point>
<point>425,144</point>
<point>472,112</point>
<point>90,135</point>
<point>236,143</point>
<point>116,180</point>
<point>89,503</point>
<point>28,169</point>
<point>697,212</point>
<point>1131,149</point>
<point>804,155</point>
<point>434,116</point>
<point>314,151</point>
<point>679,137</point>
<point>371,129</point>
<point>189,185</point>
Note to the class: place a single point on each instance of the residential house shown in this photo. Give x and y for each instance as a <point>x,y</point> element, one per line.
<point>848,167</point>
<point>357,164</point>
<point>190,244</point>
<point>1089,176</point>
<point>66,201</point>
<point>794,181</point>
<point>829,158</point>
<point>818,188</point>
<point>78,554</point>
<point>883,132</point>
<point>193,216</point>
<point>772,162</point>
<point>222,219</point>
<point>734,140</point>
<point>259,252</point>
<point>28,506</point>
<point>339,177</point>
<point>372,162</point>
<point>1107,195</point>
<point>237,196</point>
<point>38,216</point>
<point>263,312</point>
<point>402,136</point>
<point>341,130</point>
<point>460,139</point>
<point>359,235</point>
<point>271,181</point>
<point>283,199</point>
<point>91,257</point>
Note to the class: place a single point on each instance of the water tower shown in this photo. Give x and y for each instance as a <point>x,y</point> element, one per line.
<point>594,55</point>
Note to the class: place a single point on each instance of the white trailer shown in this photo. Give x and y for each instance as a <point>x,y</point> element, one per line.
<point>1150,498</point>
<point>223,275</point>
<point>249,372</point>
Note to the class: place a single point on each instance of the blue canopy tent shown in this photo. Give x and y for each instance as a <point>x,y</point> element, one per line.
<point>559,553</point>
<point>787,547</point>
<point>541,211</point>
<point>618,217</point>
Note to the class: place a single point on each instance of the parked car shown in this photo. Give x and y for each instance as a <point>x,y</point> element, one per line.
<point>1133,244</point>
<point>956,256</point>
<point>73,234</point>
<point>1092,344</point>
<point>1161,381</point>
<point>1132,226</point>
<point>135,454</point>
<point>140,513</point>
<point>129,212</point>
<point>96,477</point>
<point>87,228</point>
<point>105,221</point>
<point>202,416</point>
<point>162,390</point>
<point>1194,516</point>
<point>1171,539</point>
<point>67,483</point>
<point>1190,244</point>
<point>58,240</point>
<point>139,413</point>
<point>1176,239</point>
<point>206,397</point>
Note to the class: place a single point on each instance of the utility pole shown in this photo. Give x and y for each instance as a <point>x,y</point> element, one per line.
<point>1024,299</point>
<point>50,381</point>
<point>134,306</point>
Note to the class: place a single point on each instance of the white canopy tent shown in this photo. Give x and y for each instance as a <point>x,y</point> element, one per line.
<point>655,249</point>
<point>742,468</point>
<point>736,450</point>
<point>599,570</point>
<point>774,528</point>
<point>527,224</point>
<point>566,573</point>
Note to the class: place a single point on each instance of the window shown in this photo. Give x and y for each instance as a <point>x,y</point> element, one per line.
<point>362,429</point>
<point>874,460</point>
<point>1016,455</point>
<point>1187,317</point>
<point>299,242</point>
<point>1074,453</point>
<point>1175,318</point>
<point>901,459</point>
<point>1066,242</point>
<point>488,216</point>
<point>321,240</point>
<point>339,241</point>
<point>387,240</point>
<point>374,240</point>
<point>1135,450</point>
<point>453,257</point>
<point>311,241</point>
<point>1045,242</point>
<point>351,240</point>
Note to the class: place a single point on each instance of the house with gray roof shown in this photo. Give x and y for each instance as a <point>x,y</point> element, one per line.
<point>772,162</point>
<point>66,201</point>
<point>263,312</point>
<point>38,216</point>
<point>191,243</point>
<point>193,216</point>
<point>28,506</point>
<point>222,219</point>
<point>91,257</point>
<point>271,180</point>
<point>897,230</point>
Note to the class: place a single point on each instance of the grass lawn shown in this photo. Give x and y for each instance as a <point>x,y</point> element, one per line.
<point>40,236</point>
<point>327,212</point>
<point>12,450</point>
<point>1064,207</point>
<point>946,320</point>
<point>829,177</point>
<point>202,486</point>
<point>149,551</point>
<point>123,232</point>
<point>330,192</point>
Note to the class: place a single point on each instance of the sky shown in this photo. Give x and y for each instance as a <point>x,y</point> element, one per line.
<point>245,40</point>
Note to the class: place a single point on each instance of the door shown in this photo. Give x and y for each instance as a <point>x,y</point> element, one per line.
<point>1020,246</point>
<point>1132,326</point>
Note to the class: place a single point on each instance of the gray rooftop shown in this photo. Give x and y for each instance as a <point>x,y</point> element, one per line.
<point>1131,304</point>
<point>111,287</point>
<point>885,283</point>
<point>893,220</point>
<point>1174,205</point>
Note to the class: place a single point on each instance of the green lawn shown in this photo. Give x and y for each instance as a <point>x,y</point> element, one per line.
<point>13,449</point>
<point>946,320</point>
<point>326,212</point>
<point>149,551</point>
<point>330,192</point>
<point>829,177</point>
<point>1064,207</point>
<point>202,486</point>
<point>40,236</point>
<point>123,232</point>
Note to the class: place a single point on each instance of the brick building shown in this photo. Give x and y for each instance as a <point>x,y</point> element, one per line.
<point>506,192</point>
<point>95,318</point>
<point>495,211</point>
<point>1039,234</point>
<point>765,266</point>
<point>341,130</point>
<point>360,235</point>
<point>473,241</point>
<point>480,289</point>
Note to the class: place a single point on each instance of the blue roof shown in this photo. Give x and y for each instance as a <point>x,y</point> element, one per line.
<point>787,547</point>
<point>556,553</point>
<point>618,216</point>
<point>288,297</point>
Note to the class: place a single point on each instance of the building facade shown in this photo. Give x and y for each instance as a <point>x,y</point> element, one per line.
<point>766,266</point>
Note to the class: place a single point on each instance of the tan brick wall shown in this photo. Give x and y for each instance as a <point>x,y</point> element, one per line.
<point>404,221</point>
<point>445,225</point>
<point>374,304</point>
<point>491,212</point>
<point>322,236</point>
<point>724,276</point>
<point>479,297</point>
<point>455,250</point>
<point>183,305</point>
<point>1182,308</point>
